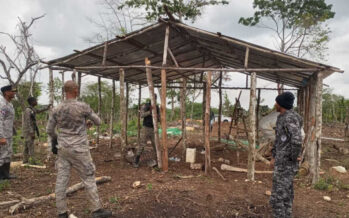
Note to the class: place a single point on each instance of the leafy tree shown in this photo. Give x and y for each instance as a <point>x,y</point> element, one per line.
<point>227,107</point>
<point>90,96</point>
<point>299,25</point>
<point>333,106</point>
<point>182,9</point>
<point>24,91</point>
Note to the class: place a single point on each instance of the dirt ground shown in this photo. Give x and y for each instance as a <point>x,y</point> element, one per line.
<point>166,195</point>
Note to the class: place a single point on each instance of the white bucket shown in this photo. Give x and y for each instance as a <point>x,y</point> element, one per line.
<point>190,155</point>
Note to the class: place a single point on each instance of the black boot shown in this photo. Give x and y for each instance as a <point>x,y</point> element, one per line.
<point>63,215</point>
<point>136,161</point>
<point>7,171</point>
<point>2,172</point>
<point>101,213</point>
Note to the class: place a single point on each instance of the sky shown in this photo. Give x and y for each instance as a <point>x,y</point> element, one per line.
<point>66,25</point>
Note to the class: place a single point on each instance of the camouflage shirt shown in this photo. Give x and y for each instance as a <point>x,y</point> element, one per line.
<point>30,120</point>
<point>7,116</point>
<point>69,118</point>
<point>288,140</point>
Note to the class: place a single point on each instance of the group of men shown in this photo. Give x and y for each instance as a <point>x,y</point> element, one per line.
<point>68,124</point>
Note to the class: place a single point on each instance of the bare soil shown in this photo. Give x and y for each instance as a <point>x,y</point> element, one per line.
<point>165,195</point>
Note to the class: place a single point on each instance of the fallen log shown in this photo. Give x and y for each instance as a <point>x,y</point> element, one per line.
<point>25,203</point>
<point>241,170</point>
<point>15,164</point>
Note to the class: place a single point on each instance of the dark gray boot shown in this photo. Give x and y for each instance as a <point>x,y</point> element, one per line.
<point>7,171</point>
<point>136,161</point>
<point>2,172</point>
<point>101,213</point>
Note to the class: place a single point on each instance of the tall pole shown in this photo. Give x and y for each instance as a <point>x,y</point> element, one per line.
<point>99,107</point>
<point>220,107</point>
<point>112,114</point>
<point>207,123</point>
<point>252,129</point>
<point>183,115</point>
<point>122,110</point>
<point>139,115</point>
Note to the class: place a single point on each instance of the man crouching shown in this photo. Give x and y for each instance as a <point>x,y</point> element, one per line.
<point>70,118</point>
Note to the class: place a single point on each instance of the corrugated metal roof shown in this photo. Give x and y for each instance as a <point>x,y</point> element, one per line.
<point>191,47</point>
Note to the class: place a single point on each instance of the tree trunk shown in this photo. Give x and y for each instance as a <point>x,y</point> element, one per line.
<point>220,107</point>
<point>99,108</point>
<point>122,111</point>
<point>252,130</point>
<point>183,116</point>
<point>207,124</point>
<point>112,114</point>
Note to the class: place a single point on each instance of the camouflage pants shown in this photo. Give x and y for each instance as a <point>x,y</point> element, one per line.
<point>282,195</point>
<point>82,163</point>
<point>28,148</point>
<point>6,152</point>
<point>147,134</point>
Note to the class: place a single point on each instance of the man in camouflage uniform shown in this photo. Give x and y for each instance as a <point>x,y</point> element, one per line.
<point>30,128</point>
<point>7,116</point>
<point>286,150</point>
<point>147,132</point>
<point>70,119</point>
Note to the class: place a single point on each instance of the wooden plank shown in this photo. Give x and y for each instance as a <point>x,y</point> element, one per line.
<point>154,113</point>
<point>207,123</point>
<point>252,129</point>
<point>163,104</point>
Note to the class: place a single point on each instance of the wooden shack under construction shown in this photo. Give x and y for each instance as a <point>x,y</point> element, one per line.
<point>168,51</point>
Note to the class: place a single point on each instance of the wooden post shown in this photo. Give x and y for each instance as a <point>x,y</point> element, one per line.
<point>346,129</point>
<point>62,85</point>
<point>311,126</point>
<point>257,113</point>
<point>112,114</point>
<point>207,123</point>
<point>139,114</point>
<point>79,84</point>
<point>183,116</point>
<point>163,103</point>
<point>247,53</point>
<point>204,91</point>
<point>220,106</point>
<point>318,127</point>
<point>99,108</point>
<point>51,83</point>
<point>73,75</point>
<point>122,110</point>
<point>252,129</point>
<point>154,112</point>
<point>126,114</point>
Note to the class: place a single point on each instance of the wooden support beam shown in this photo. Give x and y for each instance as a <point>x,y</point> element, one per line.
<point>183,115</point>
<point>127,105</point>
<point>122,111</point>
<point>99,110</point>
<point>112,114</point>
<point>207,124</point>
<point>51,83</point>
<point>246,63</point>
<point>139,114</point>
<point>63,93</point>
<point>220,106</point>
<point>257,112</point>
<point>79,84</point>
<point>105,53</point>
<point>204,109</point>
<point>163,104</point>
<point>318,126</point>
<point>73,75</point>
<point>252,129</point>
<point>311,158</point>
<point>154,113</point>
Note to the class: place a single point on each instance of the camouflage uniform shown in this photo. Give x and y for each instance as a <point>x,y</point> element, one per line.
<point>7,116</point>
<point>147,132</point>
<point>29,131</point>
<point>73,151</point>
<point>287,148</point>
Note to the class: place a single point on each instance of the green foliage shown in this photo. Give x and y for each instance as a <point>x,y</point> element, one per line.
<point>23,93</point>
<point>333,106</point>
<point>227,107</point>
<point>298,24</point>
<point>57,89</point>
<point>90,96</point>
<point>4,184</point>
<point>114,200</point>
<point>35,161</point>
<point>329,183</point>
<point>187,9</point>
<point>149,187</point>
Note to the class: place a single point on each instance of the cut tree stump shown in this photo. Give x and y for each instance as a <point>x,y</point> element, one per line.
<point>26,203</point>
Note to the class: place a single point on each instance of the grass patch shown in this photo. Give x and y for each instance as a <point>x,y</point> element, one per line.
<point>149,186</point>
<point>330,183</point>
<point>4,184</point>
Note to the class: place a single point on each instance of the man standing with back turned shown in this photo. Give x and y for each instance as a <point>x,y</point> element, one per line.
<point>287,148</point>
<point>73,151</point>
